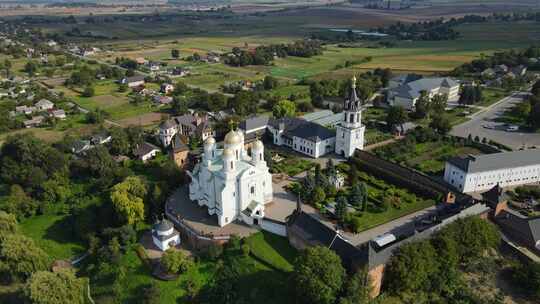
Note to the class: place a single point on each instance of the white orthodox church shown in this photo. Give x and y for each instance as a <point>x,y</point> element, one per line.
<point>230,183</point>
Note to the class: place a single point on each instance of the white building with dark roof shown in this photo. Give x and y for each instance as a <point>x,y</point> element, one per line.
<point>407,94</point>
<point>230,183</point>
<point>188,125</point>
<point>483,172</point>
<point>164,235</point>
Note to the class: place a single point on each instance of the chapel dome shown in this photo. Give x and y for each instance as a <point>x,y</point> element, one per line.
<point>210,141</point>
<point>232,138</point>
<point>258,145</point>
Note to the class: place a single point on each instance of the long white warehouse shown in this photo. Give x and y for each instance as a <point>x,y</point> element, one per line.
<point>482,172</point>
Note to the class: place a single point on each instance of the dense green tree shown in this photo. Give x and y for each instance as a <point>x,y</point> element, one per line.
<point>88,92</point>
<point>61,287</point>
<point>270,83</point>
<point>175,53</point>
<point>151,294</point>
<point>318,276</point>
<point>179,105</point>
<point>120,144</point>
<point>20,258</point>
<point>175,261</point>
<point>441,123</point>
<point>527,277</point>
<point>357,289</point>
<point>411,267</point>
<point>396,116</point>
<point>31,68</point>
<point>18,202</point>
<point>422,106</point>
<point>29,162</point>
<point>358,196</point>
<point>318,195</point>
<point>284,108</point>
<point>438,103</point>
<point>127,198</point>
<point>8,223</point>
<point>341,209</point>
<point>474,236</point>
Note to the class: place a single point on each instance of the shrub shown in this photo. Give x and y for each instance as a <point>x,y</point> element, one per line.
<point>246,250</point>
<point>214,251</point>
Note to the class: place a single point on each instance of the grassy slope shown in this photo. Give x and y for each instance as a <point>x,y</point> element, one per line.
<point>52,234</point>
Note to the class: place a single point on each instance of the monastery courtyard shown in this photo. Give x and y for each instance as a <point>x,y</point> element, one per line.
<point>197,218</point>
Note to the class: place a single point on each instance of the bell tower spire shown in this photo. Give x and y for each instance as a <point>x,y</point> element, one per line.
<point>350,132</point>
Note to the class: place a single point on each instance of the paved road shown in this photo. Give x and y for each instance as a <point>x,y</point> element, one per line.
<point>484,124</point>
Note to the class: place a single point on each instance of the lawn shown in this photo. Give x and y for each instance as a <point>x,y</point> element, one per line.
<point>491,96</point>
<point>292,165</point>
<point>261,280</point>
<point>53,234</point>
<point>272,249</point>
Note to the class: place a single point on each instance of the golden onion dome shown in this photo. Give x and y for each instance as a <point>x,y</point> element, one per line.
<point>258,145</point>
<point>210,141</point>
<point>232,138</point>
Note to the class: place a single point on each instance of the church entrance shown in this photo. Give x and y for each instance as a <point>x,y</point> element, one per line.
<point>256,222</point>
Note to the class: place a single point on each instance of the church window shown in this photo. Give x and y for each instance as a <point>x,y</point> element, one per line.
<point>236,154</point>
<point>351,118</point>
<point>260,156</point>
<point>343,135</point>
<point>252,190</point>
<point>232,165</point>
<point>213,154</point>
<point>358,117</point>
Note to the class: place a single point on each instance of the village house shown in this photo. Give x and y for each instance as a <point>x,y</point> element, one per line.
<point>59,114</point>
<point>146,151</point>
<point>36,121</point>
<point>81,146</point>
<point>44,105</point>
<point>167,88</point>
<point>100,138</point>
<point>188,125</point>
<point>134,81</point>
<point>407,94</point>
<point>163,100</point>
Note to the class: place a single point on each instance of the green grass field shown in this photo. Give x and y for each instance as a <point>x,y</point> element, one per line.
<point>273,249</point>
<point>52,233</point>
<point>266,283</point>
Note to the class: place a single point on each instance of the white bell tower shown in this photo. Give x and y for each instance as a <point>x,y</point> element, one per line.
<point>350,132</point>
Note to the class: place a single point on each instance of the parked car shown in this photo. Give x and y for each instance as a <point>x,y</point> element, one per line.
<point>512,128</point>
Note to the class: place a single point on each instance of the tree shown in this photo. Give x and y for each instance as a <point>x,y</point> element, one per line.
<point>358,195</point>
<point>284,108</point>
<point>151,294</point>
<point>18,202</point>
<point>357,289</point>
<point>7,67</point>
<point>411,266</point>
<point>123,87</point>
<point>474,237</point>
<point>438,103</point>
<point>175,261</point>
<point>20,257</point>
<point>341,209</point>
<point>88,92</point>
<point>175,53</point>
<point>318,276</point>
<point>179,105</point>
<point>96,117</point>
<point>441,123</point>
<point>30,68</point>
<point>422,107</point>
<point>127,199</point>
<point>61,287</point>
<point>8,223</point>
<point>396,116</point>
<point>270,83</point>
